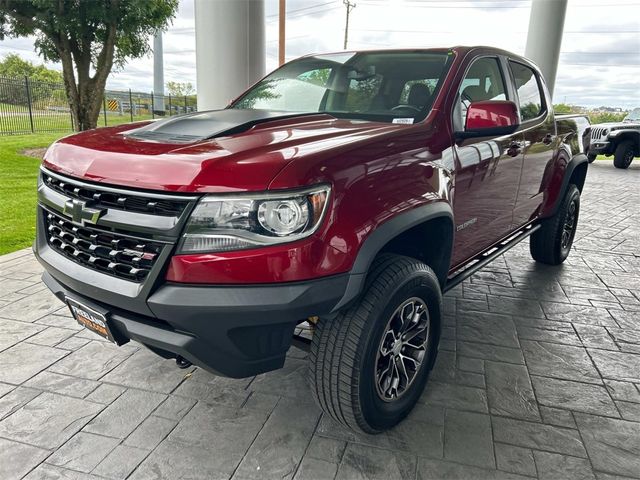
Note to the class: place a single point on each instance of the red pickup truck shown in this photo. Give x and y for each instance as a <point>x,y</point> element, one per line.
<point>348,191</point>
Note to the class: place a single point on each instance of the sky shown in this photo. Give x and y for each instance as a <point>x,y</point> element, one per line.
<point>599,62</point>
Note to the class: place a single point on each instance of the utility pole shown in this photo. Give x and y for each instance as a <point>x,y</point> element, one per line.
<point>350,6</point>
<point>282,13</point>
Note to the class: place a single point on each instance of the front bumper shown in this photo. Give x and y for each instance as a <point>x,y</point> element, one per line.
<point>601,148</point>
<point>234,331</point>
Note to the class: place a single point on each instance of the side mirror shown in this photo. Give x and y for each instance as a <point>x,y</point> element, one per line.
<point>490,118</point>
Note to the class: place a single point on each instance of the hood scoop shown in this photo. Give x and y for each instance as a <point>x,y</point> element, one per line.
<point>194,127</point>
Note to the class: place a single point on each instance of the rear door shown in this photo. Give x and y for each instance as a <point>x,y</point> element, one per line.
<point>540,140</point>
<point>487,168</point>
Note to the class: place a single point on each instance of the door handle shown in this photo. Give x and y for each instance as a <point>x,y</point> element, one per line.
<point>548,139</point>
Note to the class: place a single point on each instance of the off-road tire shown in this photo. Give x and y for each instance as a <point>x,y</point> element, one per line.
<point>591,157</point>
<point>623,155</point>
<point>345,348</point>
<point>548,244</point>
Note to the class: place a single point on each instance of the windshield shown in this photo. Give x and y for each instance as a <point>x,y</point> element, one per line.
<point>634,116</point>
<point>397,87</point>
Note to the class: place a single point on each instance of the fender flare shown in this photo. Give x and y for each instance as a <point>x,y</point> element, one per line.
<point>618,136</point>
<point>382,235</point>
<point>574,163</point>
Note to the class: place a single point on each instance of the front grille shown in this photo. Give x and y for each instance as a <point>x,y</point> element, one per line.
<point>597,133</point>
<point>120,200</point>
<point>108,252</point>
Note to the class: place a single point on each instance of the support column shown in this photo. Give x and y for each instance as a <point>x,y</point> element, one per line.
<point>230,49</point>
<point>158,74</point>
<point>544,39</point>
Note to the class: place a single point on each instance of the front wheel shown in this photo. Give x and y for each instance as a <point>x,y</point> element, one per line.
<point>591,157</point>
<point>369,365</point>
<point>552,243</point>
<point>623,155</point>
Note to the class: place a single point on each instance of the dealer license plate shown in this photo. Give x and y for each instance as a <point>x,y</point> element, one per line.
<point>89,318</point>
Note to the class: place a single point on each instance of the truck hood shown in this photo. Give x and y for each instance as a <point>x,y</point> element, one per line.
<point>216,151</point>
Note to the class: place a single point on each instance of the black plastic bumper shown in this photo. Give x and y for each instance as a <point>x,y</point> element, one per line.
<point>601,148</point>
<point>235,331</point>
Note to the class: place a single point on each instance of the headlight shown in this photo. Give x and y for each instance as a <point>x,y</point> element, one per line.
<point>221,223</point>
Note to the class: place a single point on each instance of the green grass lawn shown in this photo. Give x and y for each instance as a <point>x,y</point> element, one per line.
<point>18,174</point>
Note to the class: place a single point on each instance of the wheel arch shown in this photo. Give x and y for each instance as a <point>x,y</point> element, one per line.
<point>578,176</point>
<point>633,136</point>
<point>576,173</point>
<point>431,225</point>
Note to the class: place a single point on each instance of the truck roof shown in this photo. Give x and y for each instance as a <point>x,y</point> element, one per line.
<point>460,50</point>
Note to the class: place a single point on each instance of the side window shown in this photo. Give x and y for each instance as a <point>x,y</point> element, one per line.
<point>483,81</point>
<point>529,95</point>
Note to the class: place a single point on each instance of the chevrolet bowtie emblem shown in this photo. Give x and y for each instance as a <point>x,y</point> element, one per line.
<point>80,213</point>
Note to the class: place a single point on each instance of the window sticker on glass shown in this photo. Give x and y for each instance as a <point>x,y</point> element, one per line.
<point>406,121</point>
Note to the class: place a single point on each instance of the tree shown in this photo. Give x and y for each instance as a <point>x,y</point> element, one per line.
<point>262,91</point>
<point>14,66</point>
<point>180,89</point>
<point>560,108</point>
<point>86,36</point>
<point>44,83</point>
<point>604,117</point>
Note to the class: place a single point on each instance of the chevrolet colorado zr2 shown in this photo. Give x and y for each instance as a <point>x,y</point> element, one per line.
<point>347,190</point>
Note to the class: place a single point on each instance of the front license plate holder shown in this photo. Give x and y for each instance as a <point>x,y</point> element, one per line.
<point>91,319</point>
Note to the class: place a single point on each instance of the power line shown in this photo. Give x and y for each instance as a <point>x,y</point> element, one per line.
<point>600,31</point>
<point>22,49</point>
<point>304,8</point>
<point>304,14</point>
<point>446,7</point>
<point>386,30</point>
<point>601,53</point>
<point>291,38</point>
<point>491,7</point>
<point>631,65</point>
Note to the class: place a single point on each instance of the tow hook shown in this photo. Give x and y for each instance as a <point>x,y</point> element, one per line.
<point>182,362</point>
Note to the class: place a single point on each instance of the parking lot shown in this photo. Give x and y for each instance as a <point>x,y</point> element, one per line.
<point>538,375</point>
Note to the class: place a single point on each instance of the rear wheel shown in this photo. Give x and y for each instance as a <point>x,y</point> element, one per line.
<point>623,155</point>
<point>552,243</point>
<point>369,365</point>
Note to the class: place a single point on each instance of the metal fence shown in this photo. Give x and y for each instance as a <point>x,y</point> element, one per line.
<point>29,106</point>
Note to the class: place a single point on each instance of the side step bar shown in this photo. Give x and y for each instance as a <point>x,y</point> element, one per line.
<point>487,256</point>
<point>471,267</point>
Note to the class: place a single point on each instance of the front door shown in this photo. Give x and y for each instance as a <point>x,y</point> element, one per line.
<point>539,130</point>
<point>487,169</point>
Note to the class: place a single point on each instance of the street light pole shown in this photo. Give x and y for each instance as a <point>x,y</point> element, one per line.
<point>350,6</point>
